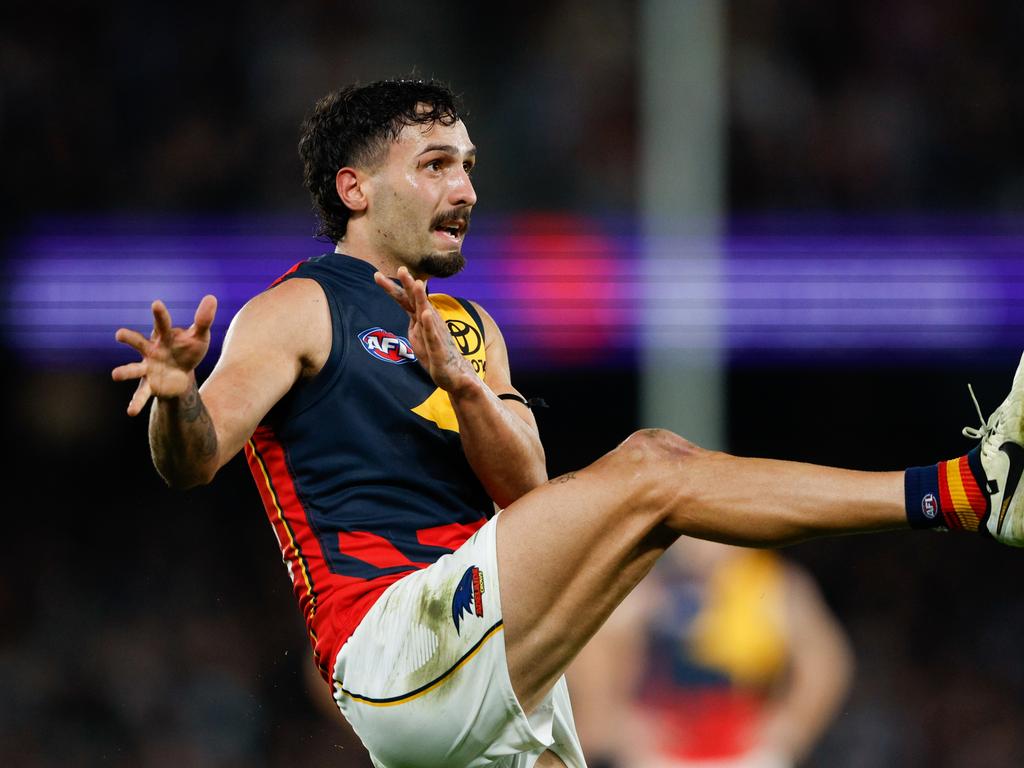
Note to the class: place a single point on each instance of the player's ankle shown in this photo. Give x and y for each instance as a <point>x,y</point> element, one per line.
<point>949,495</point>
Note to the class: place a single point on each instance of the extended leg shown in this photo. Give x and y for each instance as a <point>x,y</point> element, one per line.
<point>570,551</point>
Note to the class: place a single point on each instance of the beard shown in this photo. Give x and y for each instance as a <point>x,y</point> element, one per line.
<point>442,264</point>
<point>451,263</point>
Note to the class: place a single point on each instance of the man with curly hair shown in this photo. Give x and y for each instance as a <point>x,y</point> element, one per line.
<point>382,428</point>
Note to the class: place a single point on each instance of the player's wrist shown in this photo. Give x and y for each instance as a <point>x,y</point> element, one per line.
<point>180,391</point>
<point>465,387</point>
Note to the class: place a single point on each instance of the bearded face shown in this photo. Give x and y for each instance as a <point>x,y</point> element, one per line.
<point>423,199</point>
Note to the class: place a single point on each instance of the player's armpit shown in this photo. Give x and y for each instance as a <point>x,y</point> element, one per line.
<point>278,337</point>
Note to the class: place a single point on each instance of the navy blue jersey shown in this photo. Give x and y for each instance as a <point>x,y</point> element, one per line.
<point>361,467</point>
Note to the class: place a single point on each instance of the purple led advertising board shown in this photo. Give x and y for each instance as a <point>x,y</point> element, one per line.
<point>566,290</point>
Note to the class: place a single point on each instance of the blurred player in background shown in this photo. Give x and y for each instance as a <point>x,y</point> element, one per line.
<point>722,658</point>
<point>380,424</point>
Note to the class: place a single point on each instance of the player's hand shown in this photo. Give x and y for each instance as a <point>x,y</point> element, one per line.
<point>169,355</point>
<point>428,333</point>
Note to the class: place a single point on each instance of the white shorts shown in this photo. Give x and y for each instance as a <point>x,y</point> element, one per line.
<point>424,682</point>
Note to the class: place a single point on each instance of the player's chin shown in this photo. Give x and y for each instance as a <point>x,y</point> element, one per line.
<point>443,264</point>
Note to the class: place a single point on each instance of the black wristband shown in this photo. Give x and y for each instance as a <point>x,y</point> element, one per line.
<point>533,402</point>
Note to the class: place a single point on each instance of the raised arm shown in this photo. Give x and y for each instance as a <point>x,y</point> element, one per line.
<point>499,437</point>
<point>277,337</point>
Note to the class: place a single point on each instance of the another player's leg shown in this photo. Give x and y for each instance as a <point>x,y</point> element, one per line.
<point>570,551</point>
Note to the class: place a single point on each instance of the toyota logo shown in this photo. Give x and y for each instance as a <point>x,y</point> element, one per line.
<point>466,336</point>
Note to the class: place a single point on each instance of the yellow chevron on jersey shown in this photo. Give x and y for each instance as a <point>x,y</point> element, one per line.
<point>468,336</point>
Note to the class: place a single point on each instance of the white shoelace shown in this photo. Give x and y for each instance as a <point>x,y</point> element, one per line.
<point>987,427</point>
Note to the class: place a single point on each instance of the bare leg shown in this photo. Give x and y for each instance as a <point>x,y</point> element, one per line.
<point>571,550</point>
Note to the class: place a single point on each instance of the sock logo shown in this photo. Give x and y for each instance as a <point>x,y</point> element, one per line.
<point>929,506</point>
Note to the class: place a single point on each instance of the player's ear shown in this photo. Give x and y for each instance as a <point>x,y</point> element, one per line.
<point>350,185</point>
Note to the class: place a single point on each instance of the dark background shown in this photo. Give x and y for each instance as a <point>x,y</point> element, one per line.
<point>140,626</point>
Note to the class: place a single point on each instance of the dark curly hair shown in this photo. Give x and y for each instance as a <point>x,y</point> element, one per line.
<point>353,126</point>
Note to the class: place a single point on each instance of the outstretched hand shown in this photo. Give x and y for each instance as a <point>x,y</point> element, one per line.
<point>428,332</point>
<point>169,355</point>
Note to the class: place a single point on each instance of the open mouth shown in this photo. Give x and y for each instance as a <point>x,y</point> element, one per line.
<point>452,229</point>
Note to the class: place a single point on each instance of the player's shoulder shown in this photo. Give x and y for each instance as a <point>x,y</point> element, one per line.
<point>451,306</point>
<point>311,267</point>
<point>489,325</point>
<point>289,297</point>
<point>290,317</point>
<point>473,308</point>
<point>484,314</point>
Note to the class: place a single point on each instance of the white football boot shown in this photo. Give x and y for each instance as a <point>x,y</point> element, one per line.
<point>1002,458</point>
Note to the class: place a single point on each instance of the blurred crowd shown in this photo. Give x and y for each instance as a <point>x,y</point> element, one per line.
<point>141,627</point>
<point>847,105</point>
<point>875,106</point>
<point>197,106</point>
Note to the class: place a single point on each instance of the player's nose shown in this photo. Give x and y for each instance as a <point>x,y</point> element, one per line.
<point>462,191</point>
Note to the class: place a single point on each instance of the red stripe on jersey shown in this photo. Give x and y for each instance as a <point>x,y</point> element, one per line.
<point>282,277</point>
<point>299,545</point>
<point>312,581</point>
<point>451,536</point>
<point>373,549</point>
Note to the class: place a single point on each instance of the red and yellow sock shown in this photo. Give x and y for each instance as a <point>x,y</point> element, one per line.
<point>949,494</point>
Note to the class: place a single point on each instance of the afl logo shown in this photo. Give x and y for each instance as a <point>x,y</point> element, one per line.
<point>466,337</point>
<point>385,346</point>
<point>929,507</point>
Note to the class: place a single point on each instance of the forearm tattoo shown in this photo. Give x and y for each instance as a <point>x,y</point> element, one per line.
<point>192,411</point>
<point>562,479</point>
<point>181,435</point>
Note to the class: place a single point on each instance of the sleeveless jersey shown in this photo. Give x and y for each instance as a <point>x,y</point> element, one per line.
<point>361,468</point>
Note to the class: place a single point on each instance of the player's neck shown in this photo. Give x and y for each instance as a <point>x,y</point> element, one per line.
<point>386,264</point>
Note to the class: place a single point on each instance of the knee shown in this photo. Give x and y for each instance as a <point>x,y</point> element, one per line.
<point>652,465</point>
<point>654,462</point>
<point>657,447</point>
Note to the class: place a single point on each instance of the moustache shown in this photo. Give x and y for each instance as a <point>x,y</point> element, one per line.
<point>455,215</point>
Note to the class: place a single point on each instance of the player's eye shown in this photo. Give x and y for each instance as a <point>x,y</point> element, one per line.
<point>435,165</point>
<point>468,167</point>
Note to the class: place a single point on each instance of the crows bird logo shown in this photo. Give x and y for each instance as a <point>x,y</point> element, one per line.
<point>469,596</point>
